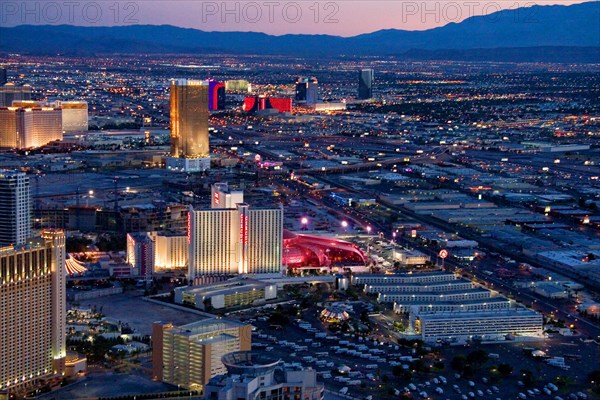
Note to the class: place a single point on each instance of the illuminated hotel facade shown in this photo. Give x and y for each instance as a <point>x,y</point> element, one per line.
<point>240,240</point>
<point>33,317</point>
<point>28,125</point>
<point>189,126</point>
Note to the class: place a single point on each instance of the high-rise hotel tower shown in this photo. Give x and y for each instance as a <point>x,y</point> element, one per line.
<point>33,317</point>
<point>233,238</point>
<point>189,126</point>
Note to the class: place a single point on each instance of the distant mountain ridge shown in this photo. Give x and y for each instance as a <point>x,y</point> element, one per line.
<point>534,27</point>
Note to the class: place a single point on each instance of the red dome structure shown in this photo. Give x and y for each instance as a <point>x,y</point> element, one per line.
<point>309,251</point>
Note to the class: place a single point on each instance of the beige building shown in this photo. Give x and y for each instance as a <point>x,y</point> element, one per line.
<point>241,240</point>
<point>74,115</point>
<point>33,317</point>
<point>190,355</point>
<point>29,126</point>
<point>170,251</point>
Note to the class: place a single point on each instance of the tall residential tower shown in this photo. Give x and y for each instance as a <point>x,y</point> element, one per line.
<point>15,208</point>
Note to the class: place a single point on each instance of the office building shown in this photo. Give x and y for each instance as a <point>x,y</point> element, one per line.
<point>365,84</point>
<point>240,240</point>
<point>74,115</point>
<point>29,125</point>
<point>252,375</point>
<point>3,76</point>
<point>223,197</point>
<point>189,356</point>
<point>10,92</point>
<point>33,317</point>
<point>216,95</point>
<point>231,293</point>
<point>189,126</point>
<point>490,325</point>
<point>15,208</point>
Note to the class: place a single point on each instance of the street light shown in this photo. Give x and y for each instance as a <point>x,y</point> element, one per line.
<point>304,222</point>
<point>344,224</point>
<point>369,229</point>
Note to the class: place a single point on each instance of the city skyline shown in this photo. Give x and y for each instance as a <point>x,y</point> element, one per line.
<point>393,215</point>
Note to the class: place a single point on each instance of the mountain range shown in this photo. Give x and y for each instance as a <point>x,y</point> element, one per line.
<point>542,33</point>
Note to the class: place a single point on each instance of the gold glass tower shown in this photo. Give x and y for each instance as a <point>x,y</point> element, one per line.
<point>189,119</point>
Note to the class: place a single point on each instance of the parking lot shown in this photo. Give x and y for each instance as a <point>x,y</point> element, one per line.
<point>365,367</point>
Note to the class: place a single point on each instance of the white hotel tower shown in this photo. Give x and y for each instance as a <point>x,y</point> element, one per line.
<point>236,240</point>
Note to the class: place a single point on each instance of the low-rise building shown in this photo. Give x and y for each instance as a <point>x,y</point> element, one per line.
<point>255,376</point>
<point>455,295</point>
<point>493,303</point>
<point>486,325</point>
<point>369,279</point>
<point>231,293</point>
<point>458,284</point>
<point>410,257</point>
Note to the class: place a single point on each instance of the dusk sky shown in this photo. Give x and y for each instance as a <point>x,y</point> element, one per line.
<point>344,18</point>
